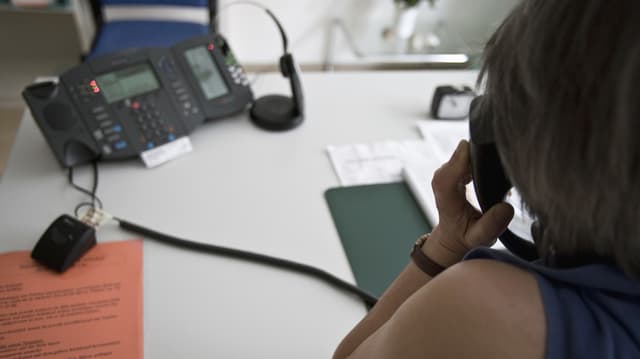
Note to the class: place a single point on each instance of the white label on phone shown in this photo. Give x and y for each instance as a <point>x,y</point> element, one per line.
<point>167,152</point>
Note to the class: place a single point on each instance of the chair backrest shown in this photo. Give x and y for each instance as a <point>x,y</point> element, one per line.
<point>196,11</point>
<point>203,3</point>
<point>114,14</point>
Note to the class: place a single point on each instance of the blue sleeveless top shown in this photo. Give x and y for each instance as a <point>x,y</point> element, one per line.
<point>592,311</point>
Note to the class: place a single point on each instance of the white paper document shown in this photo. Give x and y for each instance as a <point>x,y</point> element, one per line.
<point>418,178</point>
<point>380,162</point>
<point>443,136</point>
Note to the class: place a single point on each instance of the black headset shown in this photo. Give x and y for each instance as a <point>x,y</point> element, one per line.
<point>489,177</point>
<point>279,112</point>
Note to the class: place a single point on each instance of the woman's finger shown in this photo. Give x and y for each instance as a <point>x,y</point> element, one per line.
<point>449,180</point>
<point>490,225</point>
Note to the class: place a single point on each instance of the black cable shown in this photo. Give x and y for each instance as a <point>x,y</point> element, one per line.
<point>368,298</point>
<point>91,193</point>
<point>94,189</point>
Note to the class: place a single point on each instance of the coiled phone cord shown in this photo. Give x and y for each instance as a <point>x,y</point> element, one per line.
<point>95,201</point>
<point>369,299</point>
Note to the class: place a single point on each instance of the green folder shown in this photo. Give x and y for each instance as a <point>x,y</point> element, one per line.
<point>378,225</point>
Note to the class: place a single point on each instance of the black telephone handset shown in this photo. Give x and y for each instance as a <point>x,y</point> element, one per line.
<point>120,105</point>
<point>489,177</point>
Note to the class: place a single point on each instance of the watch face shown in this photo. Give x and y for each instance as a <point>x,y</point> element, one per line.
<point>455,106</point>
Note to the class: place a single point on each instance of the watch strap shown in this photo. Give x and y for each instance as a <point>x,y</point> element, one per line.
<point>422,261</point>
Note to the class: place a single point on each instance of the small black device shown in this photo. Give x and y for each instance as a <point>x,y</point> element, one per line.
<point>63,243</point>
<point>489,177</point>
<point>120,105</point>
<point>279,112</point>
<point>451,103</point>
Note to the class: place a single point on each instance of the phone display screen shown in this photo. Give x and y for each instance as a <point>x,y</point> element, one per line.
<point>127,82</point>
<point>206,72</point>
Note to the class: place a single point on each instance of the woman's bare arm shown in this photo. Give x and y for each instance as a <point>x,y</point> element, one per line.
<point>410,280</point>
<point>461,228</point>
<point>476,309</point>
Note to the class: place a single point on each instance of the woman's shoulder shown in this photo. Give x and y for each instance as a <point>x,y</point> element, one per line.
<point>493,279</point>
<point>477,308</point>
<point>502,306</point>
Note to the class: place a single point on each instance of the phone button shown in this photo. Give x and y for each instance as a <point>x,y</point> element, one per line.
<point>120,145</point>
<point>113,138</point>
<point>98,135</point>
<point>97,110</point>
<point>106,124</point>
<point>102,116</point>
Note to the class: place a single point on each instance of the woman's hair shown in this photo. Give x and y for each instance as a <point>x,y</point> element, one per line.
<point>561,78</point>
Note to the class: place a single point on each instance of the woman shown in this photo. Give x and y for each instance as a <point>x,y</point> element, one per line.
<point>561,80</point>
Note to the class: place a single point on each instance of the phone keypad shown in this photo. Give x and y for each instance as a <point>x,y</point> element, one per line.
<point>154,130</point>
<point>108,132</point>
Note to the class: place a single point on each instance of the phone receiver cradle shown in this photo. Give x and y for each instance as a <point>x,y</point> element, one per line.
<point>59,122</point>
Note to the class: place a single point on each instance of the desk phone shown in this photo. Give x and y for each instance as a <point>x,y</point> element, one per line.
<point>120,105</point>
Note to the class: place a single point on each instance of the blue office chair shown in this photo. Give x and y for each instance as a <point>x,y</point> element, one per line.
<point>122,24</point>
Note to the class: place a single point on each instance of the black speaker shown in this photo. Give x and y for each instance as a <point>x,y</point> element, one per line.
<point>60,124</point>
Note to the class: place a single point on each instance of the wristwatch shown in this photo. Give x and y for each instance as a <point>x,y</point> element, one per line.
<point>422,261</point>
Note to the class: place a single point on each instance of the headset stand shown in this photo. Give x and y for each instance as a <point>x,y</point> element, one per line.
<point>275,113</point>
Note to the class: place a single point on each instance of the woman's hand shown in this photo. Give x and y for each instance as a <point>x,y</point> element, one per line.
<point>461,226</point>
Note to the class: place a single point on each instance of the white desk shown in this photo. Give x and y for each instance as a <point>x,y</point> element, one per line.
<point>245,188</point>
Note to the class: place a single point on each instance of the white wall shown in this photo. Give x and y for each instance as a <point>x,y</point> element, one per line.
<point>255,40</point>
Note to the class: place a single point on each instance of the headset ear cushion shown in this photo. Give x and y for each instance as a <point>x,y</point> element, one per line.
<point>286,65</point>
<point>275,113</point>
